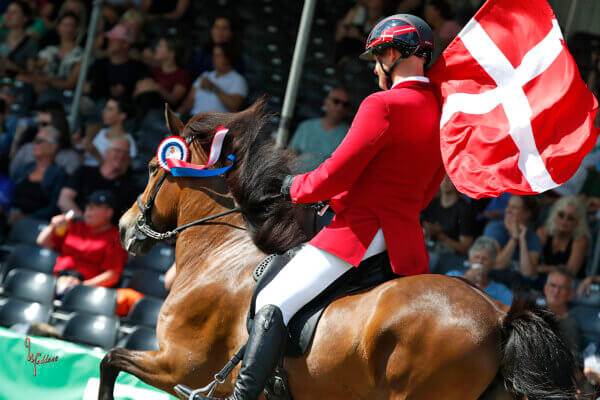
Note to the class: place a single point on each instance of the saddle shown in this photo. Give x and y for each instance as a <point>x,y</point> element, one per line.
<point>370,273</point>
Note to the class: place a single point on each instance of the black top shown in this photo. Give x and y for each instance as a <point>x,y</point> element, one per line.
<point>29,196</point>
<point>550,257</point>
<point>104,74</point>
<point>86,180</point>
<point>455,220</point>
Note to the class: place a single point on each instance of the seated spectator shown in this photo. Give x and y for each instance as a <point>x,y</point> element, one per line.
<point>353,29</point>
<point>10,116</point>
<point>315,139</point>
<point>558,292</point>
<point>57,67</point>
<point>519,246</point>
<point>169,82</point>
<point>90,248</point>
<point>38,184</point>
<point>116,75</point>
<point>448,220</point>
<point>112,175</point>
<point>482,256</point>
<point>114,115</point>
<point>564,238</point>
<point>220,90</point>
<point>133,18</point>
<point>67,157</point>
<point>438,14</point>
<point>221,32</point>
<point>16,46</point>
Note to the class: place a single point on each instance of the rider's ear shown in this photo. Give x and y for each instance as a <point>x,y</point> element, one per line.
<point>173,123</point>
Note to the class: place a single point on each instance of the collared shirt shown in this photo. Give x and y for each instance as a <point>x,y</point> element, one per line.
<point>412,78</point>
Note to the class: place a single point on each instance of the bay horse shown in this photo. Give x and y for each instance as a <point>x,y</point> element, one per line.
<point>420,338</point>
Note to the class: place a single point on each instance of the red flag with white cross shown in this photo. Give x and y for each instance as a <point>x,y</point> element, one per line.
<point>517,117</point>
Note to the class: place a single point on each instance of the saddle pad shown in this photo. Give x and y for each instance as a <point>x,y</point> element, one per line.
<point>370,273</point>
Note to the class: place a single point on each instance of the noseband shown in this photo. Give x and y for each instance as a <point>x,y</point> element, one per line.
<point>145,225</point>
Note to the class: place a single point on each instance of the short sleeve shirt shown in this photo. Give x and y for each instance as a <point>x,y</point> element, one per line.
<point>104,74</point>
<point>87,252</point>
<point>230,83</point>
<point>456,220</point>
<point>315,144</point>
<point>496,230</point>
<point>102,143</point>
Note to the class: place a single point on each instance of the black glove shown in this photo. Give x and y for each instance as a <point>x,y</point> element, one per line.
<point>319,205</point>
<point>286,186</point>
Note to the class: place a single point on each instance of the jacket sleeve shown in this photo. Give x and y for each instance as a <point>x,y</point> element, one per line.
<point>433,186</point>
<point>339,172</point>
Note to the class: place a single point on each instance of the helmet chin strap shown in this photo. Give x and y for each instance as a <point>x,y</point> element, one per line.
<point>388,73</point>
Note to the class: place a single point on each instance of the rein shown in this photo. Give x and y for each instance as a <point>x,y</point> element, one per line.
<point>144,223</point>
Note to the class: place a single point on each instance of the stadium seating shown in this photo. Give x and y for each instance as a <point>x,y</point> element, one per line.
<point>91,330</point>
<point>90,299</point>
<point>148,282</point>
<point>29,285</point>
<point>29,256</point>
<point>158,259</point>
<point>588,318</point>
<point>26,230</point>
<point>144,312</point>
<point>141,338</point>
<point>15,311</point>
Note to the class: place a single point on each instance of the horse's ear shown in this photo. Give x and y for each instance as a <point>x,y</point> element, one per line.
<point>173,123</point>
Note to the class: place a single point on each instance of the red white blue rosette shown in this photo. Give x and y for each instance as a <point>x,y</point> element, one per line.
<point>174,148</point>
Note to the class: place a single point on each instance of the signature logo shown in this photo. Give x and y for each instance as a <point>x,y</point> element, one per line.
<point>38,358</point>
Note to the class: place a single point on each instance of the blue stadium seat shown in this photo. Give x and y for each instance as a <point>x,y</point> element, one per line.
<point>90,299</point>
<point>149,282</point>
<point>26,230</point>
<point>158,259</point>
<point>144,312</point>
<point>91,330</point>
<point>589,320</point>
<point>29,285</point>
<point>141,338</point>
<point>31,257</point>
<point>15,311</point>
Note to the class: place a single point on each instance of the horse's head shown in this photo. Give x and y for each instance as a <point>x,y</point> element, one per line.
<point>169,201</point>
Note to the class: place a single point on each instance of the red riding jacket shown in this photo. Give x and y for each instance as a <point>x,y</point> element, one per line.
<point>382,175</point>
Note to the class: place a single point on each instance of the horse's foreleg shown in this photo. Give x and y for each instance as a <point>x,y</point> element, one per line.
<point>146,365</point>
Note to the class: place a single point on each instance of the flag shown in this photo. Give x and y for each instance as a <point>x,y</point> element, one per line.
<point>516,116</point>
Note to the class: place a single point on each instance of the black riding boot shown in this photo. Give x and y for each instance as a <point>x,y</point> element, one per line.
<point>264,348</point>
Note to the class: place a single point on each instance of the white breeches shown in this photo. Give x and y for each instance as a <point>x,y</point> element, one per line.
<point>308,274</point>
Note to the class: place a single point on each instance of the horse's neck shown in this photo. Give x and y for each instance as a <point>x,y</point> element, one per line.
<point>219,255</point>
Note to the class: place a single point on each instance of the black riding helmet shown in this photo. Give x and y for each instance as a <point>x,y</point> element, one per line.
<point>409,34</point>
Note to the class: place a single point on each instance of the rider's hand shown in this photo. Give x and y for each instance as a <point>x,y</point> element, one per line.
<point>286,186</point>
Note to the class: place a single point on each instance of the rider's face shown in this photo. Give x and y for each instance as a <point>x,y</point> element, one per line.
<point>386,58</point>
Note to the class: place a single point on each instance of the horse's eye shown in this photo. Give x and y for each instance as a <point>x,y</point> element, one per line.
<point>152,168</point>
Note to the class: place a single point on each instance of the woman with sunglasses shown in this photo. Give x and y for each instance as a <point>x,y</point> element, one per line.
<point>38,184</point>
<point>564,238</point>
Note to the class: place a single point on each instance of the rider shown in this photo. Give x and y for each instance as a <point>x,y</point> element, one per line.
<point>378,180</point>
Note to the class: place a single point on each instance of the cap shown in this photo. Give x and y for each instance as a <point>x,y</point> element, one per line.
<point>105,197</point>
<point>121,32</point>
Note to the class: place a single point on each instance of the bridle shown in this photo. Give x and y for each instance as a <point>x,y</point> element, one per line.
<point>144,223</point>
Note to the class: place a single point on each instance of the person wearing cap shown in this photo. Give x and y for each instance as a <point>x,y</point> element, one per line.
<point>116,75</point>
<point>382,175</point>
<point>90,248</point>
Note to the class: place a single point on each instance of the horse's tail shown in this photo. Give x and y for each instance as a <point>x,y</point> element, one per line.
<point>536,360</point>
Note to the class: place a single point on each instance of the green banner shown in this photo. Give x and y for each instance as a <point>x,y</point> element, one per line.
<point>62,371</point>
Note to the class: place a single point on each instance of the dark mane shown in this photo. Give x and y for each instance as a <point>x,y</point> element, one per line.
<point>276,225</point>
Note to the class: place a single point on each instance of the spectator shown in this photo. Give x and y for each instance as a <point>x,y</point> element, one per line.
<point>221,32</point>
<point>36,27</point>
<point>16,47</point>
<point>112,175</point>
<point>220,90</point>
<point>166,10</point>
<point>482,257</point>
<point>558,291</point>
<point>134,20</point>
<point>439,16</point>
<point>57,67</point>
<point>564,237</point>
<point>9,118</point>
<point>114,115</point>
<point>353,29</point>
<point>90,249</point>
<point>22,148</point>
<point>448,220</point>
<point>116,75</point>
<point>519,246</point>
<point>169,82</point>
<point>317,138</point>
<point>38,184</point>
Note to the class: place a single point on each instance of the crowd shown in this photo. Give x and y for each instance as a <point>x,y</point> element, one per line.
<point>141,59</point>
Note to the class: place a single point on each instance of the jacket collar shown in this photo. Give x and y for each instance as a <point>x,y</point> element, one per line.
<point>411,78</point>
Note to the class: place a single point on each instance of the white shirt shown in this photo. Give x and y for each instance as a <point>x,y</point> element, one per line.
<point>230,83</point>
<point>412,78</point>
<point>102,142</point>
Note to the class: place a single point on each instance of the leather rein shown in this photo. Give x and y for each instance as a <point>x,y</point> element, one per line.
<point>145,225</point>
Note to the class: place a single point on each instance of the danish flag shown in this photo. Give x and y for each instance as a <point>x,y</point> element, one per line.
<point>516,116</point>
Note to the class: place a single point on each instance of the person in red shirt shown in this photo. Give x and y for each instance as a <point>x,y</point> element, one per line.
<point>382,175</point>
<point>90,249</point>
